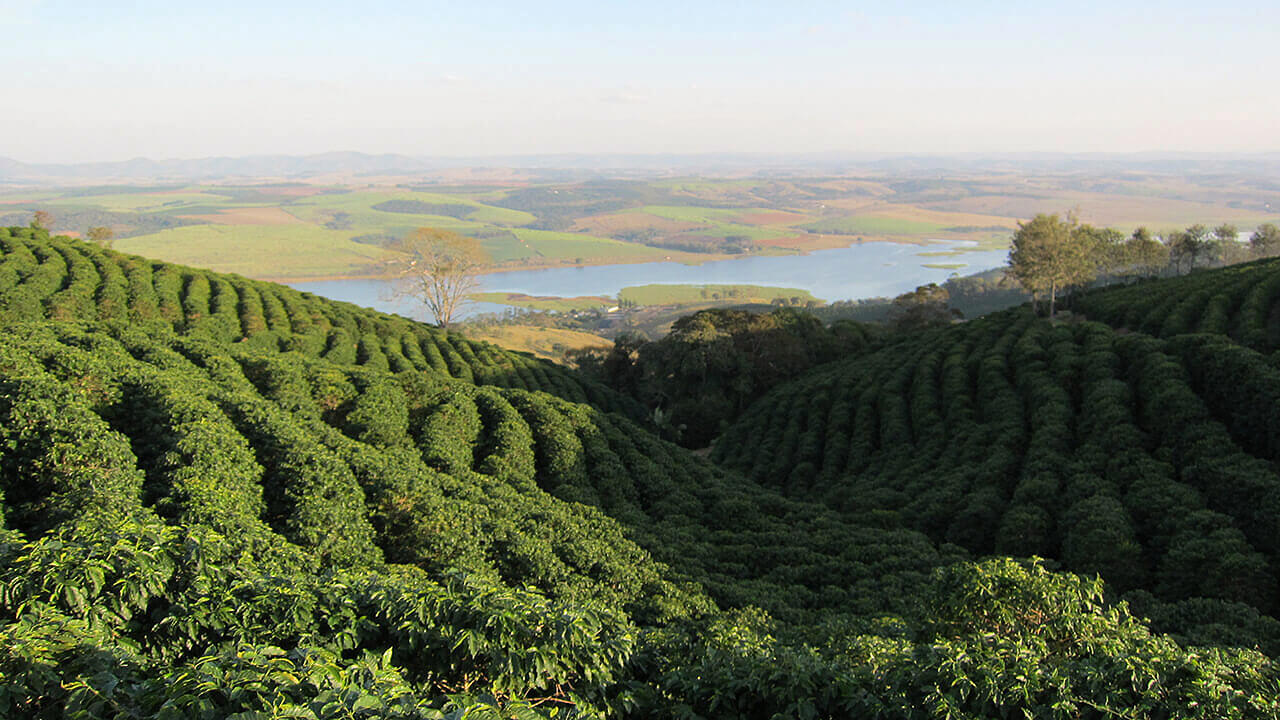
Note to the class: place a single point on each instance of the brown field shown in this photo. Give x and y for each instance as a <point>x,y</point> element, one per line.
<point>548,343</point>
<point>940,213</point>
<point>248,216</point>
<point>777,217</point>
<point>630,221</point>
<point>1100,209</point>
<point>804,241</point>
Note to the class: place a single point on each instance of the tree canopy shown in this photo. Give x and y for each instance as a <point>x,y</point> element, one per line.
<point>100,235</point>
<point>1050,254</point>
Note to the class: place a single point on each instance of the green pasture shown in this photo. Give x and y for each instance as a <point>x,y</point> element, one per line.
<point>658,294</point>
<point>360,204</point>
<point>553,304</point>
<point>549,244</point>
<point>146,202</point>
<point>366,220</point>
<point>755,232</point>
<point>263,251</point>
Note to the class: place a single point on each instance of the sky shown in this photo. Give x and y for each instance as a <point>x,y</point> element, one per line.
<point>94,81</point>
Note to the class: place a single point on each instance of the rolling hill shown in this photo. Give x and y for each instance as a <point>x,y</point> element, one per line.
<point>223,498</point>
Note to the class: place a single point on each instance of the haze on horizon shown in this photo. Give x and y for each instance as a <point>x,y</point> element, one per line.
<point>90,83</point>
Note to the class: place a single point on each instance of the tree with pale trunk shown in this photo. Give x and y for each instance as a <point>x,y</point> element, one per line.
<point>439,268</point>
<point>1144,254</point>
<point>1265,241</point>
<point>1191,245</point>
<point>1050,255</point>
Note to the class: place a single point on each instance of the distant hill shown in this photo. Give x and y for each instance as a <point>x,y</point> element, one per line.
<point>579,166</point>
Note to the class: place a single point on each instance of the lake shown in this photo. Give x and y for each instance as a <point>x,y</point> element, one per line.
<point>874,269</point>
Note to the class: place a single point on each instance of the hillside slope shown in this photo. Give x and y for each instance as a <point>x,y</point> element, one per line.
<point>1151,462</point>
<point>1241,302</point>
<point>61,279</point>
<point>196,526</point>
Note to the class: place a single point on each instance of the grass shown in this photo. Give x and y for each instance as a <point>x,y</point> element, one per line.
<point>261,251</point>
<point>360,204</point>
<point>144,202</point>
<point>549,244</point>
<point>549,343</point>
<point>754,232</point>
<point>553,304</point>
<point>658,294</point>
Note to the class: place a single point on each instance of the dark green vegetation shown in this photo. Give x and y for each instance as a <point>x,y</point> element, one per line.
<point>972,296</point>
<point>708,369</point>
<point>1241,302</point>
<point>60,279</point>
<point>225,499</point>
<point>1150,462</point>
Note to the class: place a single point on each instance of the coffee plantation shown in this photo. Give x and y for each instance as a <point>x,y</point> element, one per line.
<point>223,498</point>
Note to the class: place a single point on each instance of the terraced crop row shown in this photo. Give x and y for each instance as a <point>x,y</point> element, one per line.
<point>62,279</point>
<point>1150,462</point>
<point>1241,301</point>
<point>197,522</point>
<point>354,465</point>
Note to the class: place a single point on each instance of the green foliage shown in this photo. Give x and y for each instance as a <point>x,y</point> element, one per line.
<point>62,279</point>
<point>1240,301</point>
<point>226,499</point>
<point>923,308</point>
<point>715,362</point>
<point>997,639</point>
<point>1144,461</point>
<point>1050,255</point>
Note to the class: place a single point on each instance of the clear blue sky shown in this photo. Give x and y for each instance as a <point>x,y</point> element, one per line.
<point>84,81</point>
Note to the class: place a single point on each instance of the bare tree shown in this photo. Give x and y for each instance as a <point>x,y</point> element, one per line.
<point>439,268</point>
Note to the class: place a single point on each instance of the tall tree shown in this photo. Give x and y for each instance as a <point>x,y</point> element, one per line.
<point>1144,254</point>
<point>924,307</point>
<point>1105,244</point>
<point>1190,245</point>
<point>439,268</point>
<point>1049,255</point>
<point>1227,246</point>
<point>1265,241</point>
<point>42,220</point>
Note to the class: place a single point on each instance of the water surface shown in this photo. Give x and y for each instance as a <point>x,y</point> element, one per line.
<point>876,269</point>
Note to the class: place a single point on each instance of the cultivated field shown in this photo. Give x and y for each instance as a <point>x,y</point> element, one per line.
<point>312,230</point>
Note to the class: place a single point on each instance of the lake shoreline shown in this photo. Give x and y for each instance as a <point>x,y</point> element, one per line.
<point>683,258</point>
<point>859,270</point>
